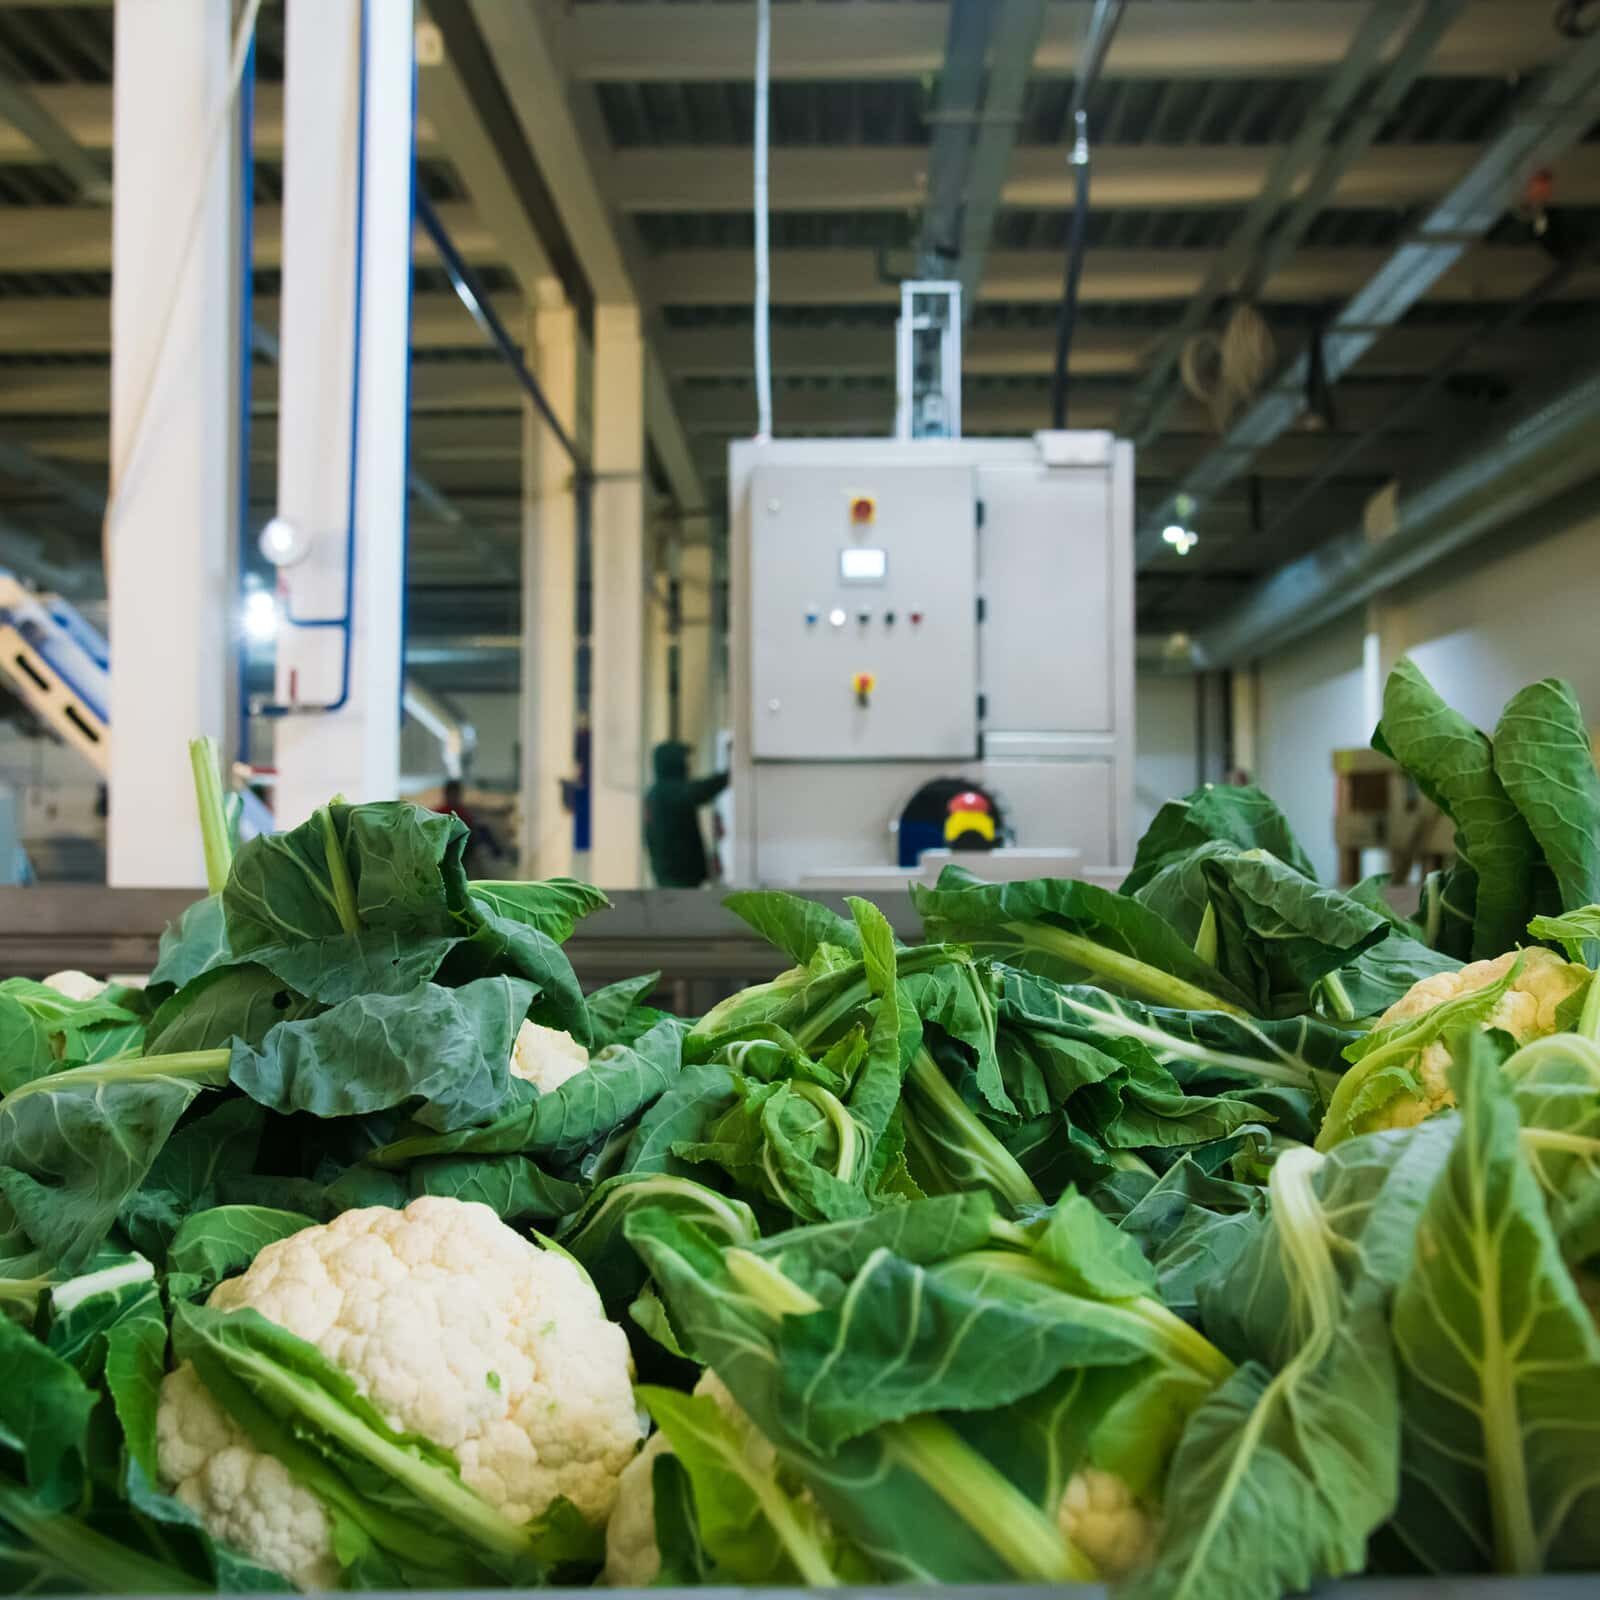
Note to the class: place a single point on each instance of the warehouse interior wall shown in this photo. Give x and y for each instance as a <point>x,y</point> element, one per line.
<point>1165,750</point>
<point>1505,622</point>
<point>1500,622</point>
<point>1311,703</point>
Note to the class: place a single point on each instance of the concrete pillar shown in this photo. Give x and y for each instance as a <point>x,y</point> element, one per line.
<point>549,591</point>
<point>617,677</point>
<point>660,639</point>
<point>696,723</point>
<point>170,526</point>
<point>1244,718</point>
<point>354,748</point>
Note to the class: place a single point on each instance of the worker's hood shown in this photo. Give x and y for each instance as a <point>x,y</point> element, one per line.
<point>672,760</point>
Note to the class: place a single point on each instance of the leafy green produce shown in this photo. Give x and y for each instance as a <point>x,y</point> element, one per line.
<point>1499,1359</point>
<point>1099,1237</point>
<point>447,1048</point>
<point>1238,815</point>
<point>1075,932</point>
<point>1453,764</point>
<point>1543,759</point>
<point>1276,932</point>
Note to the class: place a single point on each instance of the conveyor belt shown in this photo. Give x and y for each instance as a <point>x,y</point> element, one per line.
<point>698,947</point>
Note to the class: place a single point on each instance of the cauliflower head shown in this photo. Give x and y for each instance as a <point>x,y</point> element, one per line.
<point>75,985</point>
<point>1101,1516</point>
<point>546,1057</point>
<point>632,1559</point>
<point>454,1327</point>
<point>1527,1010</point>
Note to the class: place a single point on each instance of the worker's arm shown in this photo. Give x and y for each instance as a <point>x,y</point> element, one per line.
<point>704,790</point>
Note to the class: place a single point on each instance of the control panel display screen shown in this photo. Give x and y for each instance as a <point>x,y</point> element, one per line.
<point>863,564</point>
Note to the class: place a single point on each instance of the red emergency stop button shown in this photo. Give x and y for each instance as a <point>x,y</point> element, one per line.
<point>863,683</point>
<point>863,510</point>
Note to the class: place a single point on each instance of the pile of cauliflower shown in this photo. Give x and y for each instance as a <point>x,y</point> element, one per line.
<point>456,1328</point>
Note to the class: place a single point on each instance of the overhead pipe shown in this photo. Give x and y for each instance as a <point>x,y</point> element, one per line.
<point>1553,114</point>
<point>1549,452</point>
<point>1103,22</point>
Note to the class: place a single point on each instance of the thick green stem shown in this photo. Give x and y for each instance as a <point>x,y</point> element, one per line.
<point>950,1123</point>
<point>1010,1523</point>
<point>1006,1520</point>
<point>1589,1018</point>
<point>99,1564</point>
<point>1137,977</point>
<point>1205,941</point>
<point>1338,997</point>
<point>344,891</point>
<point>208,1068</point>
<point>205,765</point>
<point>1127,1316</point>
<point>843,1124</point>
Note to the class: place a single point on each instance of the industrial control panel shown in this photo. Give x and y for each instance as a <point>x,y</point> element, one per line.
<point>904,611</point>
<point>864,605</point>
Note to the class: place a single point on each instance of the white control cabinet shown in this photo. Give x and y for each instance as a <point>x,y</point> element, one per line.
<point>864,609</point>
<point>907,610</point>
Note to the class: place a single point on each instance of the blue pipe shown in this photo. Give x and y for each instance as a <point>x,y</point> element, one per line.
<point>344,622</point>
<point>483,313</point>
<point>405,506</point>
<point>247,293</point>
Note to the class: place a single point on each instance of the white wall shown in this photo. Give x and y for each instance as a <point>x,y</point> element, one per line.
<point>1310,704</point>
<point>1506,623</point>
<point>1497,624</point>
<point>1164,737</point>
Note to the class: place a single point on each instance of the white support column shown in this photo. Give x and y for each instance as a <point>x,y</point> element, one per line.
<point>618,567</point>
<point>549,592</point>
<point>697,728</point>
<point>353,750</point>
<point>169,535</point>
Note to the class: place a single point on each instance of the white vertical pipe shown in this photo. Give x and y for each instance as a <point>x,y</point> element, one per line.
<point>763,312</point>
<point>169,526</point>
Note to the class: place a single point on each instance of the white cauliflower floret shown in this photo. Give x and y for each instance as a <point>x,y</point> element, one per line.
<point>1101,1517</point>
<point>632,1559</point>
<point>75,985</point>
<point>546,1057</point>
<point>1527,1010</point>
<point>245,1498</point>
<point>454,1327</point>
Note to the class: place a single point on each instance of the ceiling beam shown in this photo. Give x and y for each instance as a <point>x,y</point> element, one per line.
<point>81,325</point>
<point>847,351</point>
<point>84,111</point>
<point>1554,450</point>
<point>78,238</point>
<point>716,178</point>
<point>1333,136</point>
<point>851,277</point>
<point>561,129</point>
<point>713,41</point>
<point>1552,113</point>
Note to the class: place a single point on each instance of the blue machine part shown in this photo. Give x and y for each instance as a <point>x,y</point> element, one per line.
<point>72,648</point>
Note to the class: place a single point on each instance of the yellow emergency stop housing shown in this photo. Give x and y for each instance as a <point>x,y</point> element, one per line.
<point>960,823</point>
<point>863,683</point>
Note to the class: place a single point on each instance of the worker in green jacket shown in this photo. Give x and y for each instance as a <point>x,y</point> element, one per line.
<point>671,818</point>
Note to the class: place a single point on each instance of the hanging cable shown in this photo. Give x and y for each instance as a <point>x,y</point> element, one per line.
<point>1103,21</point>
<point>763,310</point>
